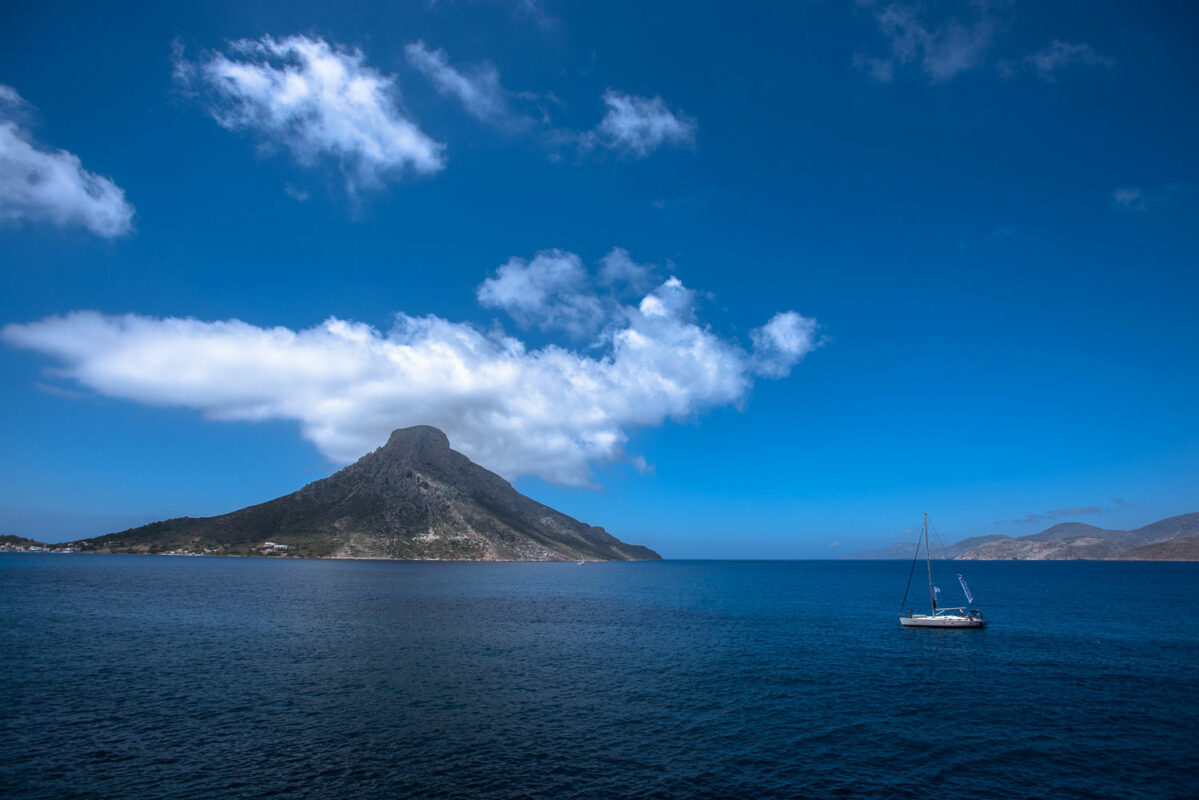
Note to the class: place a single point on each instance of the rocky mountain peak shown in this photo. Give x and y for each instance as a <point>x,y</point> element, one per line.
<point>420,438</point>
<point>420,447</point>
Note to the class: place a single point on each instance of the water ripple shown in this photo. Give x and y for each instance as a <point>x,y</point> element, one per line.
<point>222,678</point>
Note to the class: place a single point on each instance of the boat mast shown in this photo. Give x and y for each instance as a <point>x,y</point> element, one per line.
<point>932,600</point>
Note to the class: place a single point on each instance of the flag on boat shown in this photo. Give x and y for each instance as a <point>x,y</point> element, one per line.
<point>966,589</point>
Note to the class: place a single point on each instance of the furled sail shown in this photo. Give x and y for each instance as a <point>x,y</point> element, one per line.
<point>966,589</point>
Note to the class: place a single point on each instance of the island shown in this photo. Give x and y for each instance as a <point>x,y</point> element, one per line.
<point>413,498</point>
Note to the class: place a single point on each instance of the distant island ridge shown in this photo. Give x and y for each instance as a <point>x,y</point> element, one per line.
<point>413,498</point>
<point>1170,539</point>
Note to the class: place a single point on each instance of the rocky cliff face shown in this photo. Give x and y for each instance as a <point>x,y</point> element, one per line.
<point>412,498</point>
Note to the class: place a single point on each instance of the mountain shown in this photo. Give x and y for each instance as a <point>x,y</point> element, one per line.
<point>955,550</point>
<point>1070,530</point>
<point>1180,527</point>
<point>1164,540</point>
<point>1060,549</point>
<point>1172,539</point>
<point>907,549</point>
<point>1184,548</point>
<point>413,498</point>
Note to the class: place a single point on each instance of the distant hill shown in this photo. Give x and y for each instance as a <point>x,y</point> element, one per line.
<point>1071,530</point>
<point>908,549</point>
<point>1172,539</point>
<point>895,550</point>
<point>1181,549</point>
<point>1074,540</point>
<point>955,550</point>
<point>413,498</point>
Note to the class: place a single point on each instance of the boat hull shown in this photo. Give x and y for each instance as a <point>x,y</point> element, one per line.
<point>940,621</point>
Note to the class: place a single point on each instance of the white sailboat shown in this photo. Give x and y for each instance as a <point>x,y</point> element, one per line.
<point>959,617</point>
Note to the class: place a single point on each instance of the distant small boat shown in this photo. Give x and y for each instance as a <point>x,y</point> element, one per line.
<point>959,617</point>
<point>580,561</point>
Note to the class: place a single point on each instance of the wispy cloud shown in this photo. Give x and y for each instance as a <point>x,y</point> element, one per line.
<point>58,391</point>
<point>1060,55</point>
<point>632,125</point>
<point>295,193</point>
<point>550,411</point>
<point>940,50</point>
<point>479,90</point>
<point>638,126</point>
<point>318,100</point>
<point>945,46</point>
<point>1132,198</point>
<point>1058,513</point>
<point>530,10</point>
<point>1151,198</point>
<point>1118,504</point>
<point>43,185</point>
<point>1054,58</point>
<point>533,10</point>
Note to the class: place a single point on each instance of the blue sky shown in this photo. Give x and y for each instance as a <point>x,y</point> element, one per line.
<point>731,281</point>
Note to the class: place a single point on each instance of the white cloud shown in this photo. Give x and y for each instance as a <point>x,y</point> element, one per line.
<point>555,291</point>
<point>942,51</point>
<point>632,125</point>
<point>671,300</point>
<point>782,342</point>
<point>619,271</point>
<point>639,125</point>
<point>52,185</point>
<point>551,411</point>
<point>1058,55</point>
<point>318,100</point>
<point>479,92</point>
<point>550,292</point>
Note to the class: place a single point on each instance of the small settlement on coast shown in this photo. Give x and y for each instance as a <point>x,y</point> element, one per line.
<point>13,544</point>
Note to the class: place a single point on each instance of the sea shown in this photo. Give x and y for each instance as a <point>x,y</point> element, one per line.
<point>185,677</point>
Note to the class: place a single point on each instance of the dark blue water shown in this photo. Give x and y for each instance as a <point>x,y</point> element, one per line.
<point>155,677</point>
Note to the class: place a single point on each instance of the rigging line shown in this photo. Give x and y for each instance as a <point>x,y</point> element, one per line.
<point>940,543</point>
<point>945,554</point>
<point>910,574</point>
